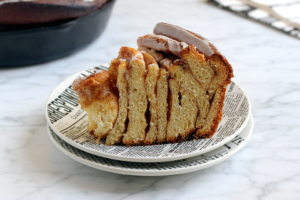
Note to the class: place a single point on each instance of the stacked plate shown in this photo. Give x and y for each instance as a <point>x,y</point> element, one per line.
<point>67,128</point>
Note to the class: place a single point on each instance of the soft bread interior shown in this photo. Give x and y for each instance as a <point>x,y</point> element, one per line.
<point>162,105</point>
<point>174,121</point>
<point>213,75</point>
<point>182,113</point>
<point>150,84</point>
<point>137,97</point>
<point>201,70</point>
<point>186,80</point>
<point>214,115</point>
<point>100,100</point>
<point>101,118</point>
<point>118,70</point>
<point>188,113</point>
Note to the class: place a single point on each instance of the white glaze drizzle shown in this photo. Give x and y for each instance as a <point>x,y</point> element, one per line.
<point>169,45</point>
<point>157,55</point>
<point>122,60</point>
<point>77,81</point>
<point>183,35</point>
<point>137,56</point>
<point>166,63</point>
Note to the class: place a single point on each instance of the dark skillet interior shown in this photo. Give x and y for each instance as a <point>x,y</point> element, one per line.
<point>38,45</point>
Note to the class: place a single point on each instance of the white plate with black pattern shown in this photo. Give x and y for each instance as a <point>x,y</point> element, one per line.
<point>161,168</point>
<point>69,122</point>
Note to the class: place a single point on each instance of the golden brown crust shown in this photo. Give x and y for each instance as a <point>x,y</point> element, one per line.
<point>130,54</point>
<point>226,67</point>
<point>96,87</point>
<point>186,80</point>
<point>188,113</point>
<point>113,71</point>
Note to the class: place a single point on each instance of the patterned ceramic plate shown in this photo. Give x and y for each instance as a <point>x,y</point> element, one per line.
<point>69,122</point>
<point>156,169</point>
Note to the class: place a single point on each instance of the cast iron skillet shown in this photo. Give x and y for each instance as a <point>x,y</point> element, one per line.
<point>38,45</point>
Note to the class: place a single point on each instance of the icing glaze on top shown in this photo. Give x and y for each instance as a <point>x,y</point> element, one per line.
<point>122,60</point>
<point>137,56</point>
<point>77,81</point>
<point>157,55</point>
<point>166,44</point>
<point>180,34</point>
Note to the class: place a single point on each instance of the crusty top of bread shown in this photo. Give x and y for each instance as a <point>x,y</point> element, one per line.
<point>130,54</point>
<point>95,87</point>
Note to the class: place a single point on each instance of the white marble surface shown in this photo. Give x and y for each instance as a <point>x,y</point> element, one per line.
<point>266,64</point>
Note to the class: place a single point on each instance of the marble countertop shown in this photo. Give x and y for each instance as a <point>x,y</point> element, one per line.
<point>266,64</point>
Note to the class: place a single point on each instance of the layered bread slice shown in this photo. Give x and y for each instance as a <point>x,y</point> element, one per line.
<point>182,113</point>
<point>188,112</point>
<point>174,127</point>
<point>162,105</point>
<point>100,100</point>
<point>117,71</point>
<point>150,85</point>
<point>171,89</point>
<point>197,60</point>
<point>137,97</point>
<point>185,78</point>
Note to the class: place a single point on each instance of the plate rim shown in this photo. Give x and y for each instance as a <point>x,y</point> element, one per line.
<point>139,159</point>
<point>168,172</point>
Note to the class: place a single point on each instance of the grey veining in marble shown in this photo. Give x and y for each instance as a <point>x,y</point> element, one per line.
<point>266,64</point>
